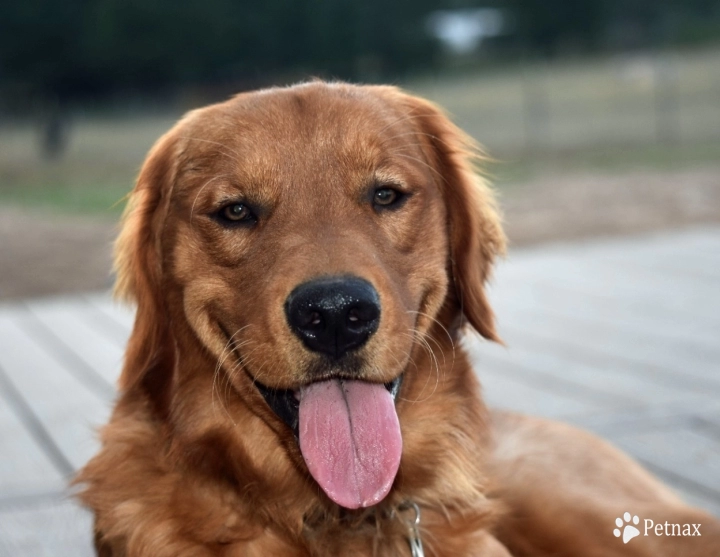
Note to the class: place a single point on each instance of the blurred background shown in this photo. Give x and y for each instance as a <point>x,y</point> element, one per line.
<point>602,116</point>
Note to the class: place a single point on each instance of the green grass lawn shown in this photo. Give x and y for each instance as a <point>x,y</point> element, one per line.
<point>94,174</point>
<point>608,160</point>
<point>103,199</point>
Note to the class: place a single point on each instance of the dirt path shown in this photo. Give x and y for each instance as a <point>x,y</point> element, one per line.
<point>571,207</point>
<point>42,254</point>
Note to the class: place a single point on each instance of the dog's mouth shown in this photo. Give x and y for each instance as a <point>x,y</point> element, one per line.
<point>348,432</point>
<point>286,402</point>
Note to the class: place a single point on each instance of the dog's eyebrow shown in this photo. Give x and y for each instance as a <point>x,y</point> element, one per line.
<point>402,170</point>
<point>214,190</point>
<point>224,149</point>
<point>386,176</point>
<point>192,209</point>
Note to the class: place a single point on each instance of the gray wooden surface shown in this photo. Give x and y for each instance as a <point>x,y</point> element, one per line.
<point>618,336</point>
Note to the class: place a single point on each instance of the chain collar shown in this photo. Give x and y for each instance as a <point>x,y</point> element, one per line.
<point>412,524</point>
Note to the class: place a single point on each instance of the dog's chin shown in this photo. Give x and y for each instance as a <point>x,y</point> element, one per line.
<point>286,402</point>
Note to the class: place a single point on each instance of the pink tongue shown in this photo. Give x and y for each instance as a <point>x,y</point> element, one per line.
<point>350,440</point>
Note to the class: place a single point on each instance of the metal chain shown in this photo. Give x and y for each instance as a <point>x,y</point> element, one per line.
<point>416,546</point>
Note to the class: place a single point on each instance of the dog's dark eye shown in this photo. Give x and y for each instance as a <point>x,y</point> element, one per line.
<point>386,197</point>
<point>236,213</point>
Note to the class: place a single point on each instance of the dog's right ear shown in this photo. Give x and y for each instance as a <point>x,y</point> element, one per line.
<point>150,355</point>
<point>474,225</point>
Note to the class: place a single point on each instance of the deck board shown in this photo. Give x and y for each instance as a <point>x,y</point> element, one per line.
<point>24,466</point>
<point>72,324</point>
<point>62,402</point>
<point>618,336</point>
<point>54,528</point>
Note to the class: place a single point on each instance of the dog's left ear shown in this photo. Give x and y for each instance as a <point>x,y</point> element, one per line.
<point>475,230</point>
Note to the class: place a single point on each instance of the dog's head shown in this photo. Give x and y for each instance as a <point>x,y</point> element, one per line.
<point>312,242</point>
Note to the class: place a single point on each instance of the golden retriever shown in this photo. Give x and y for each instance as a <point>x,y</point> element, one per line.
<point>304,261</point>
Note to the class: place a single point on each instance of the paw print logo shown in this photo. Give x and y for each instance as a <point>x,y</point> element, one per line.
<point>629,531</point>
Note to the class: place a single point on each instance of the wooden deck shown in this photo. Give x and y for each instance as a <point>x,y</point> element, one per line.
<point>619,336</point>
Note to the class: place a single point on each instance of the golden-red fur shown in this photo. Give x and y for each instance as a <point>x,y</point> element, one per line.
<point>193,461</point>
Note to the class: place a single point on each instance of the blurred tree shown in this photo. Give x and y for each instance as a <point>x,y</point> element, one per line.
<point>74,48</point>
<point>91,47</point>
<point>545,25</point>
<point>40,44</point>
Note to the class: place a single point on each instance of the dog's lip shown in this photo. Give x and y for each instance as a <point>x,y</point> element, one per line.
<point>286,402</point>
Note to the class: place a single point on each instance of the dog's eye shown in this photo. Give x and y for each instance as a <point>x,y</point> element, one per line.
<point>236,213</point>
<point>386,197</point>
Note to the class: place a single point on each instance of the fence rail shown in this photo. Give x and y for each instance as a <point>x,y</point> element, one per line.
<point>663,98</point>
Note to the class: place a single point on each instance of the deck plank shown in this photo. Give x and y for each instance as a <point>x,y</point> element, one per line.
<point>70,322</point>
<point>512,393</point>
<point>24,466</point>
<point>57,527</point>
<point>122,314</point>
<point>679,356</point>
<point>64,404</point>
<point>603,310</point>
<point>580,274</point>
<point>615,386</point>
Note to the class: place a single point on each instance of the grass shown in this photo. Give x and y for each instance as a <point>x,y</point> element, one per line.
<point>601,116</point>
<point>608,160</point>
<point>105,199</point>
<point>93,175</point>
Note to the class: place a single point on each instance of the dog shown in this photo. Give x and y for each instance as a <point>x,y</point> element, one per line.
<point>304,262</point>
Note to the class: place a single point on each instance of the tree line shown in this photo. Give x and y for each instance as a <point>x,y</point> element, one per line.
<point>90,48</point>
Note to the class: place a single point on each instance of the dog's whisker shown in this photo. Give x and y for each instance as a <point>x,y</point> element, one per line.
<point>243,361</point>
<point>229,349</point>
<point>438,372</point>
<point>221,395</point>
<point>412,334</point>
<point>421,338</point>
<point>447,333</point>
<point>435,320</point>
<point>398,363</point>
<point>229,373</point>
<point>228,344</point>
<point>428,337</point>
<point>247,362</point>
<point>431,352</point>
<point>231,346</point>
<point>410,361</point>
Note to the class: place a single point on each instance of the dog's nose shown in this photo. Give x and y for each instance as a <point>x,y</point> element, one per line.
<point>333,315</point>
